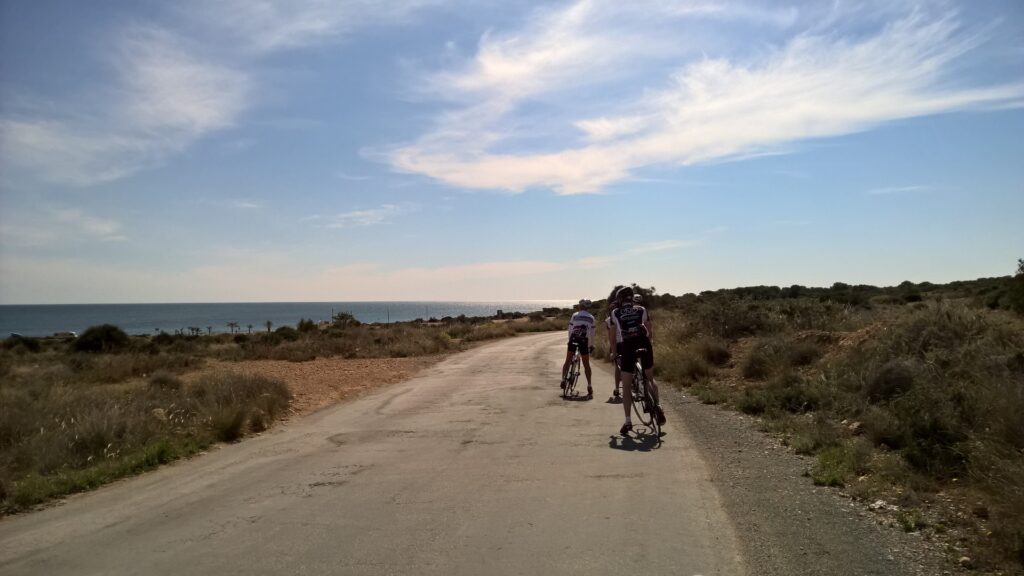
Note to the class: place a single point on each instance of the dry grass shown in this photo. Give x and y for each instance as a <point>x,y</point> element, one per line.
<point>897,398</point>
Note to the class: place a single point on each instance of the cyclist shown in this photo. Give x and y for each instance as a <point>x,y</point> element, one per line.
<point>613,339</point>
<point>581,333</point>
<point>634,330</point>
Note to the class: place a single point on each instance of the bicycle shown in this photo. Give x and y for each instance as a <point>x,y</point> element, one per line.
<point>573,375</point>
<point>643,400</point>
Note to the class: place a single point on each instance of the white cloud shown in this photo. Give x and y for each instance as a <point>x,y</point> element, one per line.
<point>896,190</point>
<point>165,99</point>
<point>366,217</point>
<point>58,226</point>
<point>270,25</point>
<point>663,246</point>
<point>818,83</point>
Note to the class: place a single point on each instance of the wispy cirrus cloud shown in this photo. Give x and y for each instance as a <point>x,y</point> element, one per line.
<point>173,84</point>
<point>273,25</point>
<point>897,190</point>
<point>164,98</point>
<point>362,217</point>
<point>57,226</point>
<point>827,77</point>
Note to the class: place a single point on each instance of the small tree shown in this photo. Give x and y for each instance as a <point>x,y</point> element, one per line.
<point>250,328</point>
<point>1017,289</point>
<point>269,325</point>
<point>232,327</point>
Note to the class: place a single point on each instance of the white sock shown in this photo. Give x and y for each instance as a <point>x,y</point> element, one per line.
<point>628,420</point>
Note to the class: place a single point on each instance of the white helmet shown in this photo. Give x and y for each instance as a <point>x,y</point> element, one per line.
<point>637,298</point>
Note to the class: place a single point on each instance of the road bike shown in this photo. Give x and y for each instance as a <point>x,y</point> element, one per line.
<point>643,399</point>
<point>574,374</point>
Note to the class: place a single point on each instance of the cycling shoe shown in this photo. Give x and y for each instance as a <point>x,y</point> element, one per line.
<point>626,428</point>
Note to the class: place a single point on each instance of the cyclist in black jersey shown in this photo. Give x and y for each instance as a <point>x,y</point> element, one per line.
<point>634,331</point>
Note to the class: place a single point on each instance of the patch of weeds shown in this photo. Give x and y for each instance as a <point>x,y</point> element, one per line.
<point>837,464</point>
<point>910,520</point>
<point>753,402</point>
<point>714,352</point>
<point>710,394</point>
<point>803,353</point>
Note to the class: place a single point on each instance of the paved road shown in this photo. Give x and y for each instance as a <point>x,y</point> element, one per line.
<point>475,467</point>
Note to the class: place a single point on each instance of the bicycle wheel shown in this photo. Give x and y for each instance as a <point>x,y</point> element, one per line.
<point>649,399</point>
<point>572,376</point>
<point>641,405</point>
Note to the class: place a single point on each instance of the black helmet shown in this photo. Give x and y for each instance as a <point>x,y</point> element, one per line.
<point>624,293</point>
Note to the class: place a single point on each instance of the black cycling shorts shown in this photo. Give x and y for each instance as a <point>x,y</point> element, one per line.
<point>582,342</point>
<point>633,348</point>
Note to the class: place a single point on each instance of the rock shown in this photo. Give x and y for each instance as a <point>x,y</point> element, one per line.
<point>965,562</point>
<point>160,414</point>
<point>856,428</point>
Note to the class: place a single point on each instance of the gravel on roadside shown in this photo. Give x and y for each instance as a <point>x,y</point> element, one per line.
<point>786,525</point>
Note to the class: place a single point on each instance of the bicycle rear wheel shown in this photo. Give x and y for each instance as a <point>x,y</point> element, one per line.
<point>642,405</point>
<point>572,376</point>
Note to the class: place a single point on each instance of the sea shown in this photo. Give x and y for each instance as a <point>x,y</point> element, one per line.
<point>49,319</point>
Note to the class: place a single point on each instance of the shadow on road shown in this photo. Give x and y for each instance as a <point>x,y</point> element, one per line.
<point>638,443</point>
<point>577,398</point>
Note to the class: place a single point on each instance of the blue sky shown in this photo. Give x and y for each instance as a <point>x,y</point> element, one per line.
<point>290,150</point>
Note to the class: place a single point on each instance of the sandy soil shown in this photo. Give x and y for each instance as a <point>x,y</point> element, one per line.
<point>325,381</point>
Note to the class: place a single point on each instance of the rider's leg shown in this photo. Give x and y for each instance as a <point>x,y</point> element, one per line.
<point>618,376</point>
<point>586,369</point>
<point>627,394</point>
<point>565,367</point>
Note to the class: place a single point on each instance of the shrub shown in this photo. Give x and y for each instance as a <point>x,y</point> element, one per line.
<point>759,363</point>
<point>752,402</point>
<point>802,353</point>
<point>714,352</point>
<point>892,379</point>
<point>287,333</point>
<point>164,380</point>
<point>791,393</point>
<point>21,343</point>
<point>307,325</point>
<point>102,338</point>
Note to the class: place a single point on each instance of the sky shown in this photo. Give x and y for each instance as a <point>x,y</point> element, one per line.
<point>313,150</point>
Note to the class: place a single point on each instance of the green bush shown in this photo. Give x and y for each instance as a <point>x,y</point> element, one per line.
<point>760,363</point>
<point>102,338</point>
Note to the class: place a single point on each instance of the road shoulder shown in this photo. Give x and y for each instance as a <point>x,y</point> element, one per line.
<point>785,524</point>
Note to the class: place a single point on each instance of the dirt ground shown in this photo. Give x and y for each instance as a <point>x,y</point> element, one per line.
<point>324,381</point>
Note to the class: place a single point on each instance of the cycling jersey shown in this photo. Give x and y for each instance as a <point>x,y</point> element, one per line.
<point>582,325</point>
<point>629,321</point>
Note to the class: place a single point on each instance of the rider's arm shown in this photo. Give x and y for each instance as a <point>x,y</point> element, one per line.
<point>648,324</point>
<point>611,338</point>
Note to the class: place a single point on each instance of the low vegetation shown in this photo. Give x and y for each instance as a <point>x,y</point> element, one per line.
<point>912,394</point>
<point>75,414</point>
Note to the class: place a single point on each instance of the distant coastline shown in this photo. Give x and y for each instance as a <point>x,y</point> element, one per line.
<point>47,319</point>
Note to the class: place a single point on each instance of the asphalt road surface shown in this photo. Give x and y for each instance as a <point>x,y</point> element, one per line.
<point>477,466</point>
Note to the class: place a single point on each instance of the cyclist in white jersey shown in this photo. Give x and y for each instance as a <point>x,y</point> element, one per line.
<point>581,334</point>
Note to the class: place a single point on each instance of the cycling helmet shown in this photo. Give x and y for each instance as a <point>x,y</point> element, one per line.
<point>624,293</point>
<point>584,303</point>
<point>637,298</point>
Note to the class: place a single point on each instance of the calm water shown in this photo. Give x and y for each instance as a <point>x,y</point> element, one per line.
<point>44,320</point>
